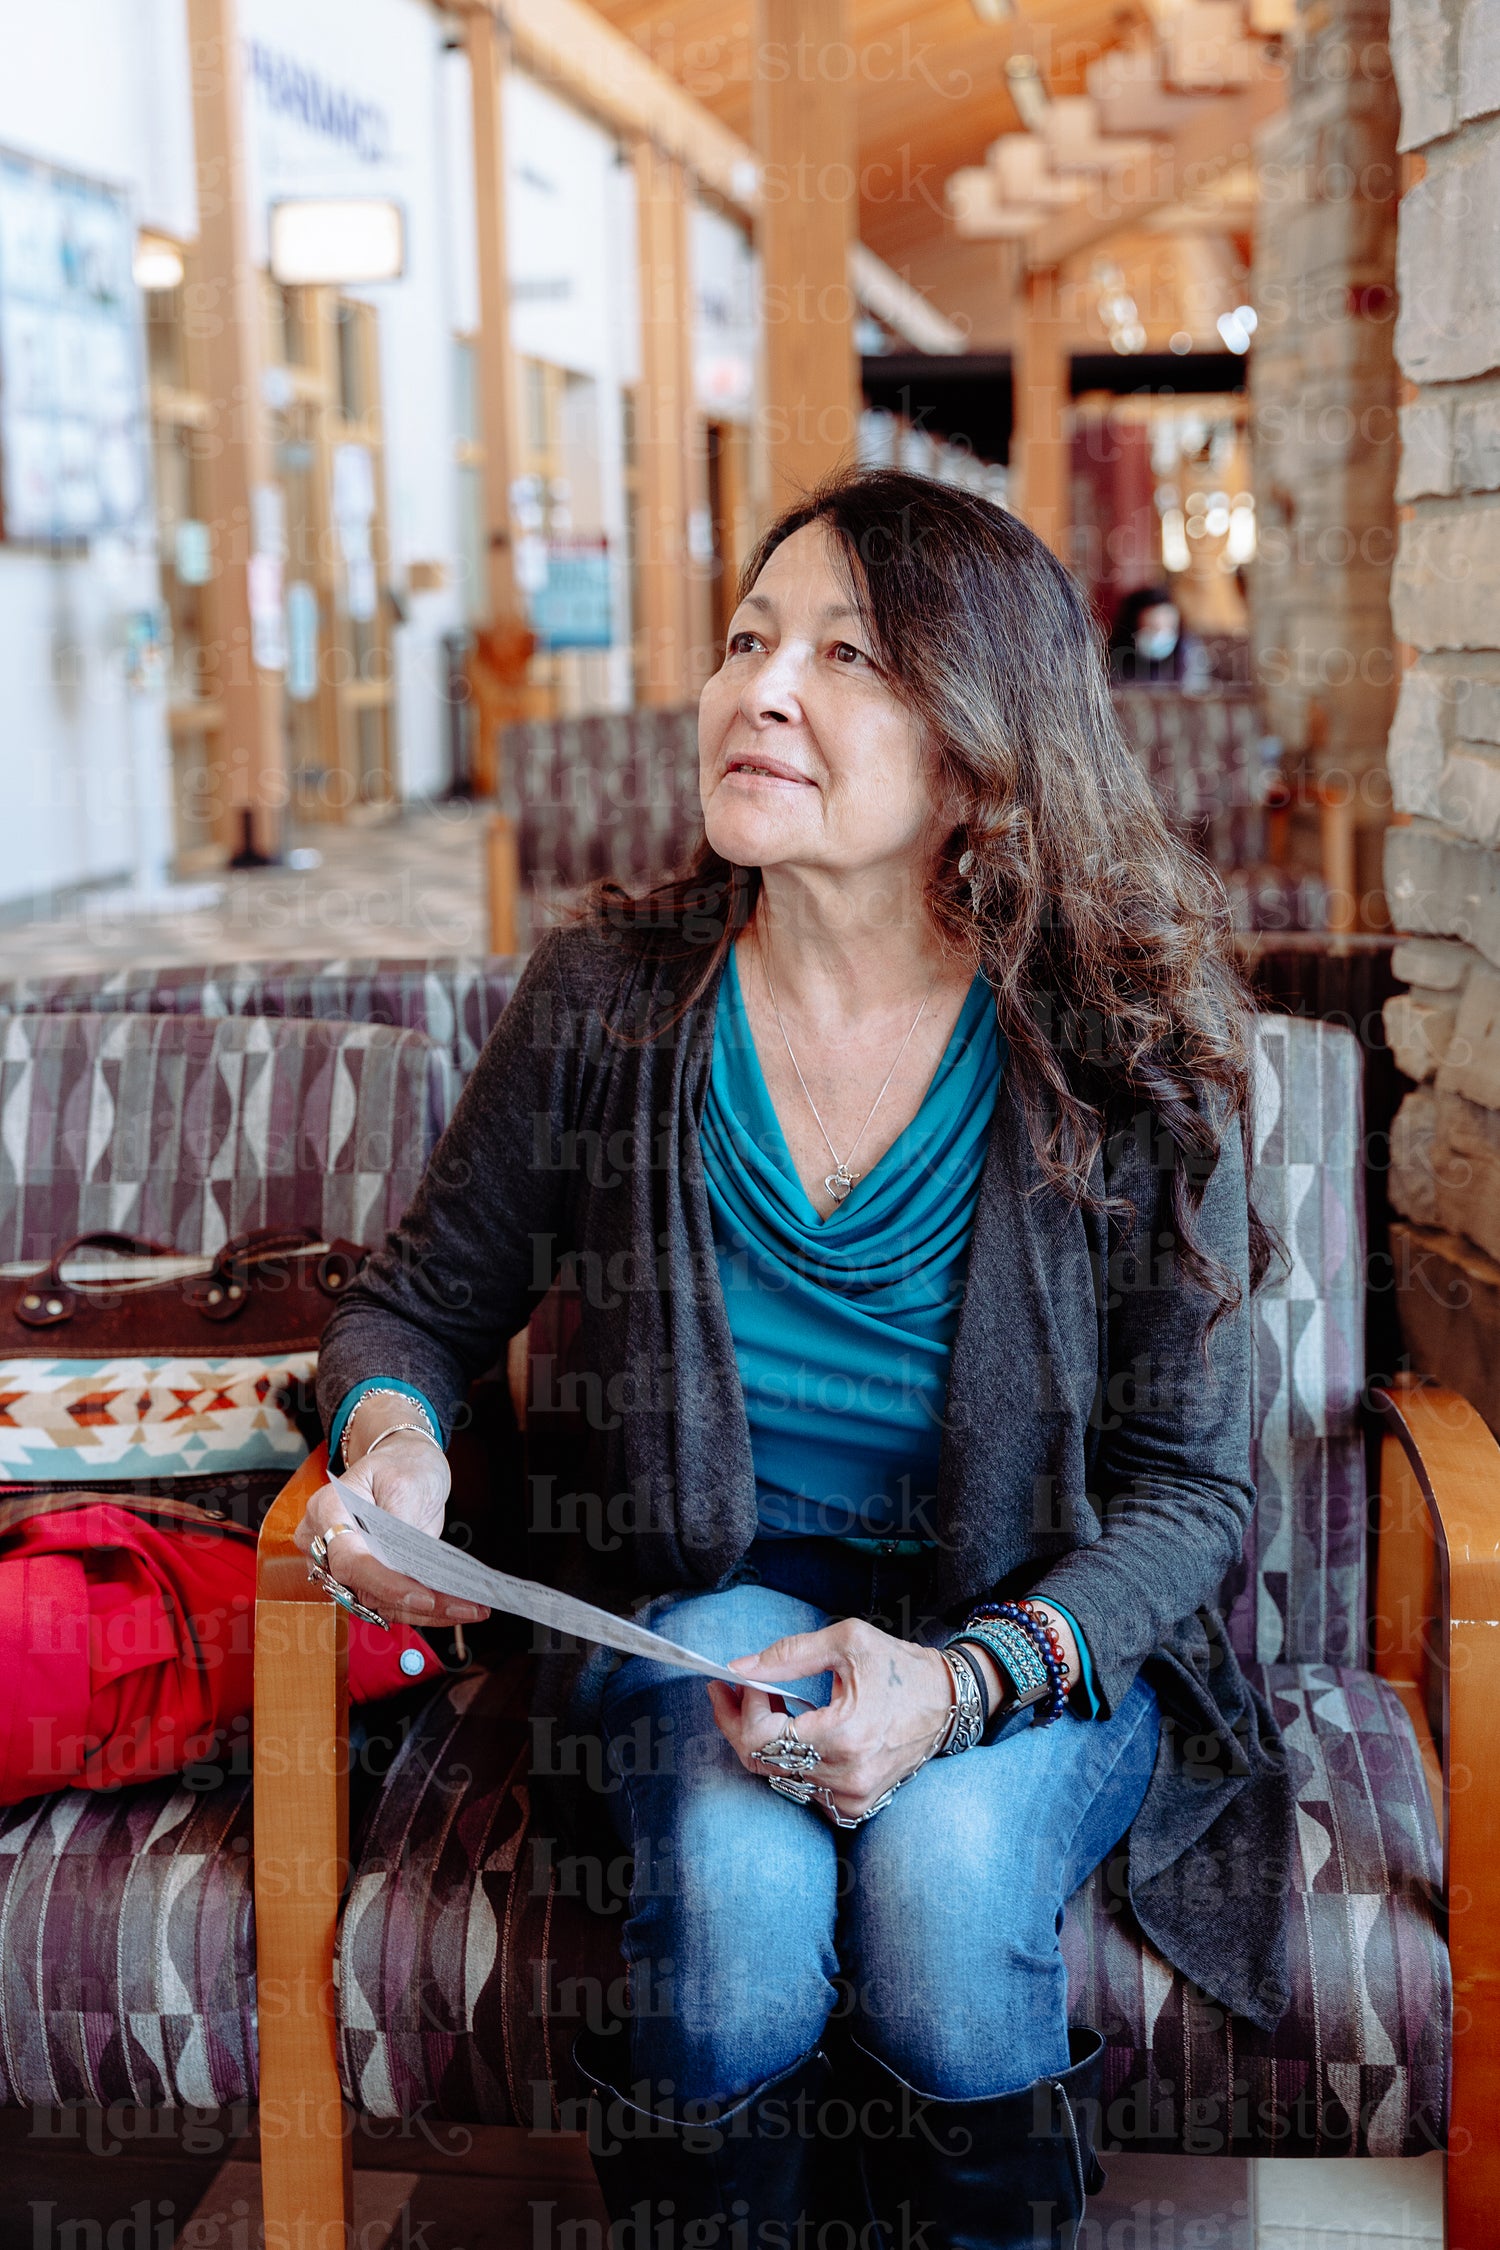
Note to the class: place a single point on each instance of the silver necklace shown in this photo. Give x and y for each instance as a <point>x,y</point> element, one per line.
<point>840,1180</point>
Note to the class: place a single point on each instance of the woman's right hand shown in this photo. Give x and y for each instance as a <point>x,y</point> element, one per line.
<point>410,1477</point>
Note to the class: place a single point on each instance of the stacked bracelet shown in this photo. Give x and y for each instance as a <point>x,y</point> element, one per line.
<point>1039,1616</point>
<point>1043,1642</point>
<point>412,1405</point>
<point>394,1429</point>
<point>968,1715</point>
<point>1014,1651</point>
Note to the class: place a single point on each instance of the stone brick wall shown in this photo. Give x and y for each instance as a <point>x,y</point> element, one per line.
<point>1443,867</point>
<point>1323,419</point>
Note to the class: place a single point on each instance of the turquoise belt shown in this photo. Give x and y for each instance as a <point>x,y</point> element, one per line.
<point>887,1546</point>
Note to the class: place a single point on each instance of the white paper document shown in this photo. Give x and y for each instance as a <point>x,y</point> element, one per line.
<point>444,1569</point>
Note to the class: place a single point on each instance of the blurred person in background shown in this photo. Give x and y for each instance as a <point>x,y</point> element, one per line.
<point>1149,646</point>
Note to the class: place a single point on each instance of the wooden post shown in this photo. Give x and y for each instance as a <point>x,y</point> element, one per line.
<point>497,376</point>
<point>1336,819</point>
<point>502,881</point>
<point>498,663</point>
<point>803,126</point>
<point>663,427</point>
<point>301,1865</point>
<point>1039,447</point>
<point>235,454</point>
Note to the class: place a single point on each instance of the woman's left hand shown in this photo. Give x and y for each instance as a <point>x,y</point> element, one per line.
<point>890,1698</point>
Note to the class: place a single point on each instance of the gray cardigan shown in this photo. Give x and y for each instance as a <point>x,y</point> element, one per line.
<point>1088,1451</point>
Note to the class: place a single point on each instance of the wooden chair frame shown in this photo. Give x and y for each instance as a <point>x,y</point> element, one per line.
<point>1437,1641</point>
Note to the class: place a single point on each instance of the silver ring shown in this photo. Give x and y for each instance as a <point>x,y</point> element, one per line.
<point>333,1531</point>
<point>320,1575</point>
<point>788,1754</point>
<point>801,1792</point>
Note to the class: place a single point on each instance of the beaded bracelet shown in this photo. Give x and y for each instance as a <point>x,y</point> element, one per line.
<point>1042,1639</point>
<point>1039,1616</point>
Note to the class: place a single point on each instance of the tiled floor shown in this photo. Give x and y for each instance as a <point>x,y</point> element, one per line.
<point>411,884</point>
<point>1348,2204</point>
<point>140,2180</point>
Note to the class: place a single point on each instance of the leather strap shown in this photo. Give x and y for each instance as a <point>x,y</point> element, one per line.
<point>46,1298</point>
<point>217,1295</point>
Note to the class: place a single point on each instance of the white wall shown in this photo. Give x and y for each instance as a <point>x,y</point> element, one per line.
<point>570,241</point>
<point>66,721</point>
<point>80,88</point>
<point>385,59</point>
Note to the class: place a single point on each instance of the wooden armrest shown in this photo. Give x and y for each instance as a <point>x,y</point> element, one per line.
<point>1437,1582</point>
<point>1437,1614</point>
<point>301,1812</point>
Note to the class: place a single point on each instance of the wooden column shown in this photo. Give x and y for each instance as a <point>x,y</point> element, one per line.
<point>664,423</point>
<point>236,457</point>
<point>301,1815</point>
<point>486,48</point>
<point>1039,445</point>
<point>803,126</point>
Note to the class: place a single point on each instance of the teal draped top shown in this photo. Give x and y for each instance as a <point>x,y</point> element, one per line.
<point>842,1326</point>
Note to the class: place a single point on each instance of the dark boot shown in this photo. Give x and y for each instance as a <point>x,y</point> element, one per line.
<point>1008,2173</point>
<point>728,2171</point>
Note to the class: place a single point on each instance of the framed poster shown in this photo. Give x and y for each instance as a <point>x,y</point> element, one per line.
<point>74,429</point>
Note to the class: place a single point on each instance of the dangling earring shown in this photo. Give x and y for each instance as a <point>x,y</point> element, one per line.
<point>966,868</point>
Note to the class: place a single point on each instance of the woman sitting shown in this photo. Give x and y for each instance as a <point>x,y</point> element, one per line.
<point>899,1152</point>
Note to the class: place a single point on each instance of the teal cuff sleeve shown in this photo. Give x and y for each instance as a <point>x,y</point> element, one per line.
<point>351,1399</point>
<point>1084,1690</point>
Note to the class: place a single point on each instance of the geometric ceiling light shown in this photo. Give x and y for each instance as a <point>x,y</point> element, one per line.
<point>1074,143</point>
<point>1204,47</point>
<point>1126,83</point>
<point>1005,200</point>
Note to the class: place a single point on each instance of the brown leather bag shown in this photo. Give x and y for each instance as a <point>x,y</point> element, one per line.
<point>267,1293</point>
<point>270,1290</point>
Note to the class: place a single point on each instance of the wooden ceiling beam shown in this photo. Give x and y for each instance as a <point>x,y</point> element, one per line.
<point>566,44</point>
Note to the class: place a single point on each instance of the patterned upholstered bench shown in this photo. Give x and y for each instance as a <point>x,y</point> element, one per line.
<point>1205,756</point>
<point>463,1953</point>
<point>191,1128</point>
<point>454,999</point>
<point>442,1953</point>
<point>127,1955</point>
<point>617,795</point>
<point>611,795</point>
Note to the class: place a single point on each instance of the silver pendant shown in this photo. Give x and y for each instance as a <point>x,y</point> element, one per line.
<point>840,1182</point>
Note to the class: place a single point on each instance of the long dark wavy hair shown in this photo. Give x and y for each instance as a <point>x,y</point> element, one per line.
<point>1105,936</point>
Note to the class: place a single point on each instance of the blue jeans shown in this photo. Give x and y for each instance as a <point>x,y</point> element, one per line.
<point>942,1915</point>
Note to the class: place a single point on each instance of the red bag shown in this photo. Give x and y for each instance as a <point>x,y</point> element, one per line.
<point>127,1605</point>
<point>127,1648</point>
